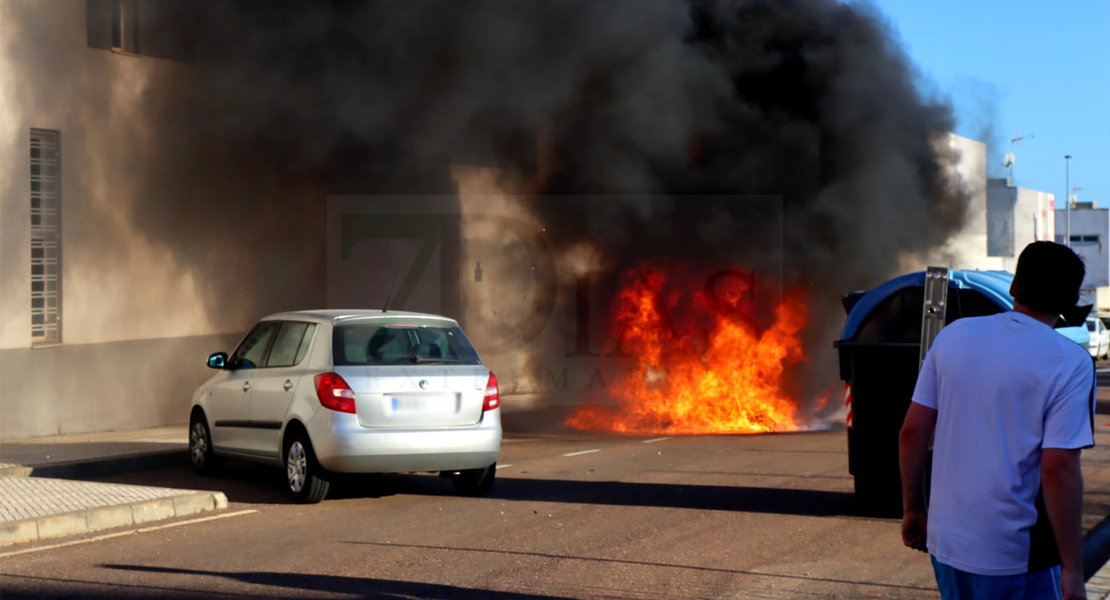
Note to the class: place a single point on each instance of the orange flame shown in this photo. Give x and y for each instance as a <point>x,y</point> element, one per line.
<point>731,382</point>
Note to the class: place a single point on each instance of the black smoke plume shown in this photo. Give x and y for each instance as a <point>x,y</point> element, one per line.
<point>810,100</point>
<point>257,110</point>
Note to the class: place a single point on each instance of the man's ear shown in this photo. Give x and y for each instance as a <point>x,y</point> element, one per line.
<point>1013,289</point>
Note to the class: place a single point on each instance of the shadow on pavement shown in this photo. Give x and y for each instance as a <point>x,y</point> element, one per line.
<point>816,503</point>
<point>80,460</point>
<point>312,585</point>
<point>240,482</point>
<point>253,484</point>
<point>261,485</point>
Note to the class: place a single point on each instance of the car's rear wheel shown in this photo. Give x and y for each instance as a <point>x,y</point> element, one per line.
<point>474,482</point>
<point>201,452</point>
<point>306,479</point>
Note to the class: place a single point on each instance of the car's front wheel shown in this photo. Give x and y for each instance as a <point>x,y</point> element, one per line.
<point>474,482</point>
<point>201,452</point>
<point>306,478</point>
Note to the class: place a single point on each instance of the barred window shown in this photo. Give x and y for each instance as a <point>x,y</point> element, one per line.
<point>46,207</point>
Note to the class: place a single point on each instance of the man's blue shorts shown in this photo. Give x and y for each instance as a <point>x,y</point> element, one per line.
<point>955,584</point>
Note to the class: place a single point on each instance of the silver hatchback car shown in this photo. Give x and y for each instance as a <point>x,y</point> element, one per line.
<point>351,391</point>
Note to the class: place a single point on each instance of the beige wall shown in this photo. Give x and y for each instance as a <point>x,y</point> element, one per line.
<point>148,287</point>
<point>79,388</point>
<point>120,280</point>
<point>116,283</point>
<point>1017,217</point>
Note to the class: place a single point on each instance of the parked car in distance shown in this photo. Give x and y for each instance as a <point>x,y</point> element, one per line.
<point>1104,317</point>
<point>351,391</point>
<point>1099,344</point>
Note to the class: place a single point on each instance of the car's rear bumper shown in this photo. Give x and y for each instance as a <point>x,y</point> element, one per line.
<point>344,446</point>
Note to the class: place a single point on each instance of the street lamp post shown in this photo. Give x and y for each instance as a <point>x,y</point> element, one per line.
<point>1067,197</point>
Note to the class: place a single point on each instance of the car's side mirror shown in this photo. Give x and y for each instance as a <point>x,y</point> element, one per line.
<point>218,361</point>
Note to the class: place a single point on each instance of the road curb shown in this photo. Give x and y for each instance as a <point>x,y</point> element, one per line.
<point>102,467</point>
<point>109,517</point>
<point>1096,552</point>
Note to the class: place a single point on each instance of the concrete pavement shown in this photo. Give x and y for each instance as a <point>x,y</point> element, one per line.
<point>34,507</point>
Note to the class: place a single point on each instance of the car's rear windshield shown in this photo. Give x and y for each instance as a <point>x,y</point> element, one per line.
<point>401,344</point>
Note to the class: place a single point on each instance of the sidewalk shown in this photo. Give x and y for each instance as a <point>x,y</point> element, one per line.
<point>35,507</point>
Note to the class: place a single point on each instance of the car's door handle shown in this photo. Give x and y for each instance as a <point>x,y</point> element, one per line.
<point>246,386</point>
<point>288,385</point>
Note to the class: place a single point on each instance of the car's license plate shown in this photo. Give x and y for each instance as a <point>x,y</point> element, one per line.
<point>422,403</point>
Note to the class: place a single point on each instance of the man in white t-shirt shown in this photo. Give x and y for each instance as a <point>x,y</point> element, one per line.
<point>1011,402</point>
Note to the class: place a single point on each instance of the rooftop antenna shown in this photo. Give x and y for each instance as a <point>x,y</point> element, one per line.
<point>389,293</point>
<point>1010,158</point>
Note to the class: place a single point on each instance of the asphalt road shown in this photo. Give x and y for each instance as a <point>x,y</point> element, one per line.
<point>571,516</point>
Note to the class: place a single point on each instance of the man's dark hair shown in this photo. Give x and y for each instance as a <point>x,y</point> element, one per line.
<point>1048,277</point>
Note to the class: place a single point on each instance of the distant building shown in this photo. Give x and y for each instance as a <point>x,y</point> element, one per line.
<point>1090,230</point>
<point>967,248</point>
<point>1000,220</point>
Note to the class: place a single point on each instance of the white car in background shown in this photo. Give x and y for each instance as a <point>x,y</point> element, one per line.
<point>1104,317</point>
<point>323,392</point>
<point>1099,346</point>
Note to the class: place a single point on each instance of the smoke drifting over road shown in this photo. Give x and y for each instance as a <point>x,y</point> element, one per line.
<point>810,100</point>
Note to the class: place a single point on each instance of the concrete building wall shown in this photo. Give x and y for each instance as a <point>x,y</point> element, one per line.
<point>1016,217</point>
<point>140,310</point>
<point>1090,233</point>
<point>1001,234</point>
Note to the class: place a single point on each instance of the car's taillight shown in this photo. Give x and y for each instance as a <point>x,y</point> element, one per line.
<point>493,398</point>
<point>334,393</point>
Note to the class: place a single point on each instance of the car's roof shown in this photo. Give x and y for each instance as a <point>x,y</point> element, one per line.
<point>334,315</point>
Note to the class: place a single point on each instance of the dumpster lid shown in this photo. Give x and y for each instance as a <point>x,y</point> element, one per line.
<point>995,285</point>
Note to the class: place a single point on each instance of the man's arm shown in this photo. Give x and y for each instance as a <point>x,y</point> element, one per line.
<point>1062,483</point>
<point>913,451</point>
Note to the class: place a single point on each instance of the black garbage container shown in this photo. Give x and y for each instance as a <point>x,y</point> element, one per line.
<point>879,351</point>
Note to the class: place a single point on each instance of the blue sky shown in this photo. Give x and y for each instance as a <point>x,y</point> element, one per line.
<point>1020,67</point>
